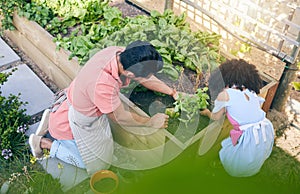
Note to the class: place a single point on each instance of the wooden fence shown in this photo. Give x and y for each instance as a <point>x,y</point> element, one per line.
<point>271,25</point>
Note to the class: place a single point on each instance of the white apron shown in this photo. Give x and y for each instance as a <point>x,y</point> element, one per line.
<point>93,138</point>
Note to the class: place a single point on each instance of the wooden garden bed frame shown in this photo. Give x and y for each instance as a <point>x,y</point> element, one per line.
<point>38,44</point>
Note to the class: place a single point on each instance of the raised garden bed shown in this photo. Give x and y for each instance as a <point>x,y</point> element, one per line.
<point>38,45</point>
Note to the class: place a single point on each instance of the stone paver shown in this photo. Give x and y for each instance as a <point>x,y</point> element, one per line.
<point>32,89</point>
<point>68,175</point>
<point>293,107</point>
<point>32,129</point>
<point>7,55</point>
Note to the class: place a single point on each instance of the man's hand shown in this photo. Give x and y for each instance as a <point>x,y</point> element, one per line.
<point>182,94</point>
<point>174,94</point>
<point>159,121</point>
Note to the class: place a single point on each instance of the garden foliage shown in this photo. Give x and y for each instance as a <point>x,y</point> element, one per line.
<point>85,27</point>
<point>13,124</point>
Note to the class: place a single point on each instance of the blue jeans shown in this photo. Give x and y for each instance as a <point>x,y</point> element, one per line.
<point>66,150</point>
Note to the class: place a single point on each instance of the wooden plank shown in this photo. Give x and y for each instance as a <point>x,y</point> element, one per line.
<point>268,91</point>
<point>43,41</point>
<point>147,150</point>
<point>45,64</point>
<point>133,106</point>
<point>135,141</point>
<point>270,96</point>
<point>137,137</point>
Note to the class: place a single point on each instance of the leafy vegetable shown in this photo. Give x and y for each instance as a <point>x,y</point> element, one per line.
<point>189,105</point>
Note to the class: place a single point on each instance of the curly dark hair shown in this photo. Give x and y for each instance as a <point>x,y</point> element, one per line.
<point>235,72</point>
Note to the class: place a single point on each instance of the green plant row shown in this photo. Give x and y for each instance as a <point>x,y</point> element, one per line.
<point>173,38</point>
<point>84,27</point>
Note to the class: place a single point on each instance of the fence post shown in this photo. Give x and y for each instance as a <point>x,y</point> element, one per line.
<point>284,87</point>
<point>288,75</point>
<point>169,4</point>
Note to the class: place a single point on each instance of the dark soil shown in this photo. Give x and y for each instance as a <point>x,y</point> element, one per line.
<point>128,9</point>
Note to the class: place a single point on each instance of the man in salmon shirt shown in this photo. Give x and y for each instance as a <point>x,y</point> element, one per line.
<point>76,130</point>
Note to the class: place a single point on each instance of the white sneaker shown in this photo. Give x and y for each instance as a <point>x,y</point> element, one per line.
<point>35,142</point>
<point>43,126</point>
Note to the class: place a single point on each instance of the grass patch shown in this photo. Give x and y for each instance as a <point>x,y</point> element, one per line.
<point>25,177</point>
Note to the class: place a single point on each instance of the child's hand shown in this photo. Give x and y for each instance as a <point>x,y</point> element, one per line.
<point>206,112</point>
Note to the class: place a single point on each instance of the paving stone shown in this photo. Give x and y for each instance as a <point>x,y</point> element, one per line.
<point>32,89</point>
<point>293,106</point>
<point>69,176</point>
<point>32,129</point>
<point>7,55</point>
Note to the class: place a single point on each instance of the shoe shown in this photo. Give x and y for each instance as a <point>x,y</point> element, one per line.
<point>43,126</point>
<point>34,142</point>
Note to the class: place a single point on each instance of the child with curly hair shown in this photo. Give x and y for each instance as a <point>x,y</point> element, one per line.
<point>234,87</point>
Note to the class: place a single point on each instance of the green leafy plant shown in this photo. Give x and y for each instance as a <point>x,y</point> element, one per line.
<point>84,27</point>
<point>7,9</point>
<point>187,105</point>
<point>13,124</point>
<point>38,13</point>
<point>174,40</point>
<point>46,18</point>
<point>99,21</point>
<point>73,8</point>
<point>32,179</point>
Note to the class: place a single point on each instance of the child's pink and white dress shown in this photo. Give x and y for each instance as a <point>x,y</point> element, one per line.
<point>251,141</point>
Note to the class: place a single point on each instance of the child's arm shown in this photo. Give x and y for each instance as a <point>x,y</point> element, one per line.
<point>213,116</point>
<point>223,96</point>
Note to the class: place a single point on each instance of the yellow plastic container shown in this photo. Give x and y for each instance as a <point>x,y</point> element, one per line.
<point>104,182</point>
